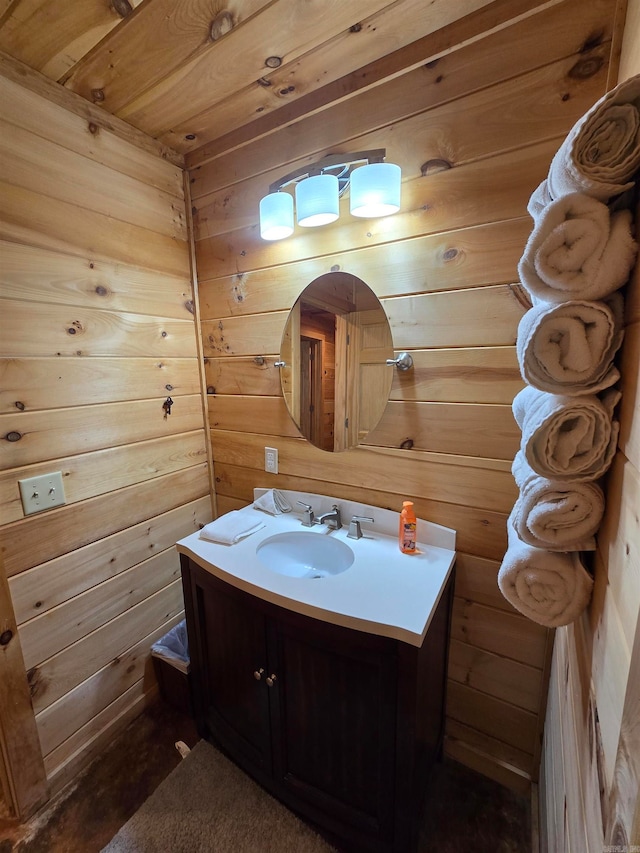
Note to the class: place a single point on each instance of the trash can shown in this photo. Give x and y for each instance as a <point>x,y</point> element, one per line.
<point>170,655</point>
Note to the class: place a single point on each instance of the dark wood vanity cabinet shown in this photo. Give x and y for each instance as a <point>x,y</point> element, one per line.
<point>340,725</point>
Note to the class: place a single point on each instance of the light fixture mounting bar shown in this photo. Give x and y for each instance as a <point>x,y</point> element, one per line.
<point>329,163</point>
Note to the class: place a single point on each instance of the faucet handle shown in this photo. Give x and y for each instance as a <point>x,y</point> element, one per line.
<point>308,514</point>
<point>355,531</point>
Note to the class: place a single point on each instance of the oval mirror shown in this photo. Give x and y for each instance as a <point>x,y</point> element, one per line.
<point>334,376</point>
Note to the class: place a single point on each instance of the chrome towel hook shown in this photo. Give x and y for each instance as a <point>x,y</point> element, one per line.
<point>403,361</point>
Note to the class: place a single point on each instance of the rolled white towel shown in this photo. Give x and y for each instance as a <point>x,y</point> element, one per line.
<point>231,527</point>
<point>578,249</point>
<point>539,199</point>
<point>552,589</point>
<point>569,348</point>
<point>601,152</point>
<point>567,438</point>
<point>555,515</point>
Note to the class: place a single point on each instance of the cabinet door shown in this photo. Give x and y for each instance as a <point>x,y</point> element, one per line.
<point>233,647</point>
<point>336,725</point>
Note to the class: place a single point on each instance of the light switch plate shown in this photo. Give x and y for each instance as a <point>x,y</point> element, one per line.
<point>271,460</point>
<point>40,493</point>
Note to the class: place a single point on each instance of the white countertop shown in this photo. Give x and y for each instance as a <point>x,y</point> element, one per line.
<point>384,592</point>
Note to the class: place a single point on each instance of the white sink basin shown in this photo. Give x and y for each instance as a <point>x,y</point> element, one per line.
<point>302,554</point>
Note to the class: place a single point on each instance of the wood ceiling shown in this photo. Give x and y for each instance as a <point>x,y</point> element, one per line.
<point>201,75</point>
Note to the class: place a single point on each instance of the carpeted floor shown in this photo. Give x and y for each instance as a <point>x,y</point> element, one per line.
<point>208,805</point>
<point>465,811</point>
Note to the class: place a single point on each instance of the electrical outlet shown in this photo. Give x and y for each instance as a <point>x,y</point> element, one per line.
<point>40,493</point>
<point>271,460</point>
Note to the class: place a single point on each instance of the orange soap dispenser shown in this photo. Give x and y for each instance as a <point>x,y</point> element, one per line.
<point>407,532</point>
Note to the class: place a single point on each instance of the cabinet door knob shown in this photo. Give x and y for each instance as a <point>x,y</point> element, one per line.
<point>271,679</point>
<point>257,673</point>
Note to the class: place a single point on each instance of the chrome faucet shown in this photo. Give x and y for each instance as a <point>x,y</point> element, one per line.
<point>309,519</point>
<point>332,518</point>
<point>355,531</point>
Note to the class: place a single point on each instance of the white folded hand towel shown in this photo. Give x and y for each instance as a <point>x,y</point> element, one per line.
<point>578,249</point>
<point>569,348</point>
<point>555,515</point>
<point>552,589</point>
<point>601,152</point>
<point>567,438</point>
<point>272,502</point>
<point>231,527</point>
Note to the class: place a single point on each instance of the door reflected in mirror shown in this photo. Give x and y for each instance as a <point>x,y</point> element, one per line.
<point>335,345</point>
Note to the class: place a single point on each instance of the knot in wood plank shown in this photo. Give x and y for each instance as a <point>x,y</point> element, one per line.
<point>122,7</point>
<point>587,67</point>
<point>222,24</point>
<point>436,164</point>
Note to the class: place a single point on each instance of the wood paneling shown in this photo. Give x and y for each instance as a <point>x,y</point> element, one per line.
<point>62,34</point>
<point>465,375</point>
<point>106,128</point>
<point>445,269</point>
<point>35,383</point>
<point>40,276</point>
<point>508,634</point>
<point>189,91</point>
<point>98,322</point>
<point>504,116</point>
<point>56,676</point>
<point>63,227</point>
<point>46,635</point>
<point>64,432</point>
<point>43,537</point>
<point>62,719</point>
<point>71,331</point>
<point>452,59</point>
<point>43,587</point>
<point>505,679</point>
<point>490,756</point>
<point>35,164</point>
<point>90,474</point>
<point>98,329</point>
<point>23,779</point>
<point>590,774</point>
<point>26,110</point>
<point>453,479</point>
<point>468,257</point>
<point>439,427</point>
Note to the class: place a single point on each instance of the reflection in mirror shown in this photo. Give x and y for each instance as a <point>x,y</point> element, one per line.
<point>335,379</point>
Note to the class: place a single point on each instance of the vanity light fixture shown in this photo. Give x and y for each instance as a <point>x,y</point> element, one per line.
<point>375,191</point>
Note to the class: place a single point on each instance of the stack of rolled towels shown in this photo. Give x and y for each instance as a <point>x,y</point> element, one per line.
<point>580,253</point>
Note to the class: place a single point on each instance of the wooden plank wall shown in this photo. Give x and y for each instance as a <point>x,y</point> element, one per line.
<point>590,773</point>
<point>98,330</point>
<point>445,271</point>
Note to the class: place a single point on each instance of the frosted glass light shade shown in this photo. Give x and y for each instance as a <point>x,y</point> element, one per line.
<point>317,200</point>
<point>375,190</point>
<point>276,216</point>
